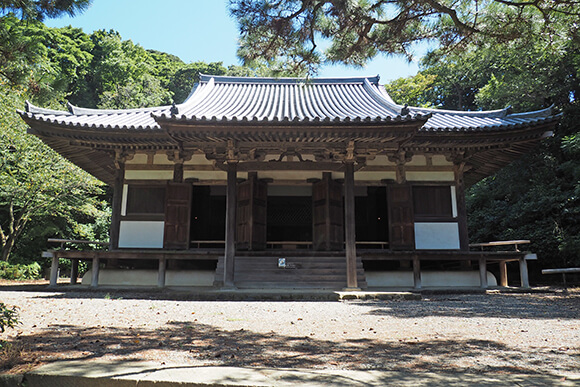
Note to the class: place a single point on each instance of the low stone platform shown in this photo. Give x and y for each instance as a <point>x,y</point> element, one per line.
<point>147,374</point>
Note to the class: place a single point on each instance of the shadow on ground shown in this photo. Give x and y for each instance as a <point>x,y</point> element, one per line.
<point>203,345</point>
<point>520,306</point>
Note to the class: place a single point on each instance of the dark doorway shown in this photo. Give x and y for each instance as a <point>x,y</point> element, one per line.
<point>289,218</point>
<point>372,216</point>
<point>208,214</point>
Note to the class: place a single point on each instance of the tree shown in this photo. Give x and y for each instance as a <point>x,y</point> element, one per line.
<point>299,30</point>
<point>537,197</point>
<point>41,9</point>
<point>35,182</point>
<point>185,77</point>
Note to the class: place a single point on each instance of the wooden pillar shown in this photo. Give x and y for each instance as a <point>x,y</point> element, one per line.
<point>231,204</point>
<point>483,272</point>
<point>161,272</point>
<point>74,270</point>
<point>54,270</point>
<point>503,277</point>
<point>524,273</point>
<point>461,207</point>
<point>95,272</point>
<point>178,172</point>
<point>349,227</point>
<point>116,206</point>
<point>416,272</point>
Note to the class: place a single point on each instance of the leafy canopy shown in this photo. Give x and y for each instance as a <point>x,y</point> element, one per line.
<point>42,9</point>
<point>307,33</point>
<point>537,197</point>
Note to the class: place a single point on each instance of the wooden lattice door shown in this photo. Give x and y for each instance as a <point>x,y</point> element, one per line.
<point>177,216</point>
<point>401,217</point>
<point>327,215</point>
<point>252,214</point>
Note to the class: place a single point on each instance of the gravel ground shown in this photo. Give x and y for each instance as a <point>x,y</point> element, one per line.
<point>497,333</point>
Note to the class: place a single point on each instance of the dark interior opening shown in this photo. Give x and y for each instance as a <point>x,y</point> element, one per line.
<point>208,215</point>
<point>371,217</point>
<point>289,218</point>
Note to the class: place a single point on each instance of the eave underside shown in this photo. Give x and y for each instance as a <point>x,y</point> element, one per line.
<point>483,153</point>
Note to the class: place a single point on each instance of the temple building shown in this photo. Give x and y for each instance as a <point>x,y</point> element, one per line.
<point>290,183</point>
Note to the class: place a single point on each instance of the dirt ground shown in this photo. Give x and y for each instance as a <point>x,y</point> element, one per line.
<point>534,333</point>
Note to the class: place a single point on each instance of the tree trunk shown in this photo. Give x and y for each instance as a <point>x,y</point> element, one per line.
<point>7,248</point>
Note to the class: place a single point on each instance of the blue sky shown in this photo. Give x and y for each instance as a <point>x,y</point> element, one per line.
<point>198,30</point>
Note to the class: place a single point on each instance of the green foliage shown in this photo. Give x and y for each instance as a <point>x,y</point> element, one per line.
<point>8,317</point>
<point>19,271</point>
<point>306,34</point>
<point>41,9</point>
<point>41,194</point>
<point>20,50</point>
<point>537,197</point>
<point>38,188</point>
<point>413,90</point>
<point>184,78</point>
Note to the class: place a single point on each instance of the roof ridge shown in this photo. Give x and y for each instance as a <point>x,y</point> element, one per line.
<point>286,80</point>
<point>535,113</point>
<point>78,111</point>
<point>197,94</point>
<point>477,113</point>
<point>33,109</point>
<point>379,97</point>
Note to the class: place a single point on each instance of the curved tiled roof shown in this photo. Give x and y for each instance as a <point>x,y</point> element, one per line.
<point>456,120</point>
<point>287,100</point>
<point>135,119</point>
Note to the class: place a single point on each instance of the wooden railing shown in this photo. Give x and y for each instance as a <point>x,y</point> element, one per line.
<point>515,243</point>
<point>74,270</point>
<point>562,271</point>
<point>76,241</point>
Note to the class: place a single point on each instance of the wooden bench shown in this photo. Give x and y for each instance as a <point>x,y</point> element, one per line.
<point>562,271</point>
<point>74,270</point>
<point>503,280</point>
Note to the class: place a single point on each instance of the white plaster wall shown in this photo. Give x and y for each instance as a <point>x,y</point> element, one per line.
<point>436,236</point>
<point>162,159</point>
<point>440,160</point>
<point>430,176</point>
<point>139,158</point>
<point>124,199</point>
<point>148,175</point>
<point>380,160</point>
<point>199,159</point>
<point>387,279</point>
<point>145,234</point>
<point>139,277</point>
<point>453,202</point>
<point>419,160</point>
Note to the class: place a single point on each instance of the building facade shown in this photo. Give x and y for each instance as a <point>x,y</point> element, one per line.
<point>290,182</point>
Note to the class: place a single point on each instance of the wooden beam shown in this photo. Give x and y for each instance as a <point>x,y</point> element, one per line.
<point>161,273</point>
<point>461,207</point>
<point>525,282</point>
<point>416,272</point>
<point>54,270</point>
<point>503,277</point>
<point>116,206</point>
<point>95,272</point>
<point>349,227</point>
<point>74,271</point>
<point>483,272</point>
<point>230,247</point>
